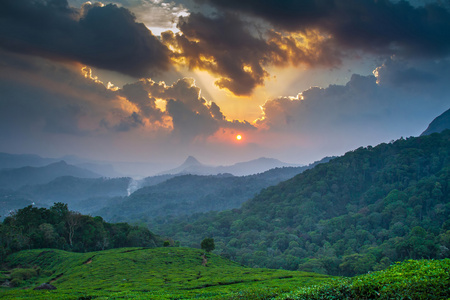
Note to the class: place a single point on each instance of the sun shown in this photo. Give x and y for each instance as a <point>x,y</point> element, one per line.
<point>239,137</point>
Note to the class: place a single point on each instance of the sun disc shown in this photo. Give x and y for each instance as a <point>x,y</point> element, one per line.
<point>239,137</point>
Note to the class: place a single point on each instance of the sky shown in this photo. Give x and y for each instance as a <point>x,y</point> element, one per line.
<point>157,81</point>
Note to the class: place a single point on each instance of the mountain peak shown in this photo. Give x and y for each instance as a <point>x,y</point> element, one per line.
<point>439,124</point>
<point>191,161</point>
<point>59,163</point>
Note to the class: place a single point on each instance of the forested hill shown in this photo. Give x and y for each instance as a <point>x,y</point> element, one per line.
<point>59,228</point>
<point>439,124</point>
<point>357,213</point>
<point>190,194</point>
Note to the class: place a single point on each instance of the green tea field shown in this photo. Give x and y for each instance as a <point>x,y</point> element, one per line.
<point>142,273</point>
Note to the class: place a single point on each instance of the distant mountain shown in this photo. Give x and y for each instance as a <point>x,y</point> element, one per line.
<point>15,178</point>
<point>12,161</point>
<point>82,194</point>
<point>190,194</point>
<point>192,166</point>
<point>10,202</point>
<point>102,168</point>
<point>254,166</point>
<point>439,124</point>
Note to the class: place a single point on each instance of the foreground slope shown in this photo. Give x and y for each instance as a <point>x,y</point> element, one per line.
<point>357,213</point>
<point>159,273</point>
<point>413,279</point>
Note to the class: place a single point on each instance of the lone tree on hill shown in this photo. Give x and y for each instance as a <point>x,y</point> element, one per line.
<point>208,244</point>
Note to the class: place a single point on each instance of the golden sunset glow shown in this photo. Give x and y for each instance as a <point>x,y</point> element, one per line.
<point>218,79</point>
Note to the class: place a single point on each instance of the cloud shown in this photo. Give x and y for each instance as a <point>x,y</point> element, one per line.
<point>39,95</point>
<point>101,36</point>
<point>373,26</point>
<point>137,94</point>
<point>133,121</point>
<point>43,97</point>
<point>227,46</point>
<point>399,100</point>
<point>153,13</point>
<point>192,115</point>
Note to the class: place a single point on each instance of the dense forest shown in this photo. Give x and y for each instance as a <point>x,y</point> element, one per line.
<point>189,194</point>
<point>60,228</point>
<point>359,212</point>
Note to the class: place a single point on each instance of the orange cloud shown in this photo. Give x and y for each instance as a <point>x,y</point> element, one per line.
<point>226,46</point>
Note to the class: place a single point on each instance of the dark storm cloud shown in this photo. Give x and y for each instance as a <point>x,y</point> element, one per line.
<point>401,95</point>
<point>137,94</point>
<point>40,96</point>
<point>102,36</point>
<point>192,115</point>
<point>43,97</point>
<point>225,45</point>
<point>188,124</point>
<point>379,26</point>
<point>133,121</point>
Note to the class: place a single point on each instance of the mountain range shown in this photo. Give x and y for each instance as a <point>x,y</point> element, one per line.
<point>192,166</point>
<point>15,178</point>
<point>190,194</point>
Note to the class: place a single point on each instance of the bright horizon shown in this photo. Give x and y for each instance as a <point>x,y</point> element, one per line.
<point>156,81</point>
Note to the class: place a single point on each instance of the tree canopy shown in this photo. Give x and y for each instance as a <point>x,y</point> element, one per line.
<point>359,212</point>
<point>58,227</point>
<point>208,244</point>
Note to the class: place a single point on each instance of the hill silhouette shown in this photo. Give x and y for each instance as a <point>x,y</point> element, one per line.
<point>15,178</point>
<point>439,124</point>
<point>192,166</point>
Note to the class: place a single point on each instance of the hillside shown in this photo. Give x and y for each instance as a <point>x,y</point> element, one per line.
<point>423,279</point>
<point>60,228</point>
<point>16,178</point>
<point>82,194</point>
<point>189,194</point>
<point>357,213</point>
<point>158,273</point>
<point>12,161</point>
<point>439,124</point>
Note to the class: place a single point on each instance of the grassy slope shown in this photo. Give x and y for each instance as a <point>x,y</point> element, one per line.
<point>158,273</point>
<point>412,279</point>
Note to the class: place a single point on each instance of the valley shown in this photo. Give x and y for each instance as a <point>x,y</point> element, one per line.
<point>372,223</point>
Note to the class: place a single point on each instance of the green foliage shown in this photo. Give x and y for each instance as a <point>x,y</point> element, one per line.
<point>208,244</point>
<point>358,213</point>
<point>57,227</point>
<point>412,279</point>
<point>23,274</point>
<point>190,194</point>
<point>141,273</point>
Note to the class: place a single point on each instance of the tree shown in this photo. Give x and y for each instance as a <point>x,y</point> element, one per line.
<point>208,244</point>
<point>73,220</point>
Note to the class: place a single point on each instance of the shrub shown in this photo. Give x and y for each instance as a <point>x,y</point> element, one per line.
<point>16,282</point>
<point>23,274</point>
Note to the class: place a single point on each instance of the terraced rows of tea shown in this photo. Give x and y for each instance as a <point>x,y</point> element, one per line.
<point>143,273</point>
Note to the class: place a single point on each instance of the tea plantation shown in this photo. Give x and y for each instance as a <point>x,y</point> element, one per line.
<point>143,273</point>
<point>185,273</point>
